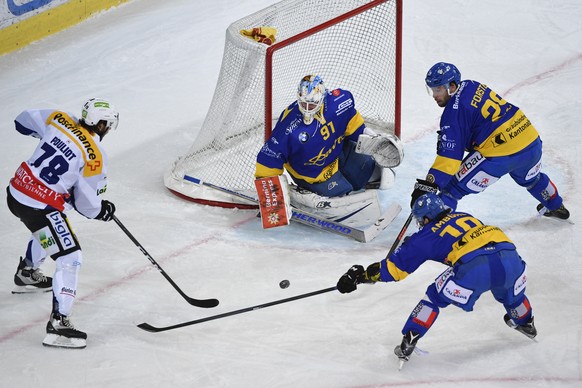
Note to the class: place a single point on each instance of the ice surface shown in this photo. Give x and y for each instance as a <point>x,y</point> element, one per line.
<point>158,61</point>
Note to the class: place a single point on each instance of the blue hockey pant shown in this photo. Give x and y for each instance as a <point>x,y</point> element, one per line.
<point>503,273</point>
<point>477,173</point>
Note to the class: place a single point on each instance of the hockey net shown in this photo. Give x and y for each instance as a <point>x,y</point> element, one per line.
<point>351,44</point>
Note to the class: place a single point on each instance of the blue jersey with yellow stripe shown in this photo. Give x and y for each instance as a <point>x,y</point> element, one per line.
<point>456,238</point>
<point>310,151</point>
<point>477,118</point>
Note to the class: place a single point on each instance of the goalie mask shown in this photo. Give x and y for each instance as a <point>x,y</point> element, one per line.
<point>99,116</point>
<point>310,95</point>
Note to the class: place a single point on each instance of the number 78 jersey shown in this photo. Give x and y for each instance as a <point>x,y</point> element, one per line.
<point>67,163</point>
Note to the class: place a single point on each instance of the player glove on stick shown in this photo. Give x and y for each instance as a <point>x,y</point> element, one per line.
<point>372,274</point>
<point>422,187</point>
<point>107,211</point>
<point>349,281</point>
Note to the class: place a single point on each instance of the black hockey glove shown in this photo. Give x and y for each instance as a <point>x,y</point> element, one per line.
<point>372,274</point>
<point>349,281</point>
<point>107,210</point>
<point>422,187</point>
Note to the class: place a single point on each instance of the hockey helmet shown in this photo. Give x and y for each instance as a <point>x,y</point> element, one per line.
<point>96,110</point>
<point>442,73</point>
<point>310,96</point>
<point>428,205</point>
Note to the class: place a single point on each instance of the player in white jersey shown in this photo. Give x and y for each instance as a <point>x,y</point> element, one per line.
<point>68,170</point>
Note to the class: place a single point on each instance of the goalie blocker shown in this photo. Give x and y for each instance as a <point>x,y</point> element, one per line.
<point>274,205</point>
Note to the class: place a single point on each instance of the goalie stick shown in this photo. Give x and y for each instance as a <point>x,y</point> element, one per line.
<point>153,329</point>
<point>204,303</point>
<point>315,221</point>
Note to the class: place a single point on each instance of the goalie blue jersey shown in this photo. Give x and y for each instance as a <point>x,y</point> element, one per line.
<point>478,119</point>
<point>311,151</point>
<point>454,239</point>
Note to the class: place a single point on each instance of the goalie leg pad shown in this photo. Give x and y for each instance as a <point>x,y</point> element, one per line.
<point>355,209</point>
<point>387,179</point>
<point>274,204</point>
<point>382,178</point>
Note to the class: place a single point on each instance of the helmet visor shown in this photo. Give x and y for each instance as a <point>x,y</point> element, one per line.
<point>112,124</point>
<point>438,91</point>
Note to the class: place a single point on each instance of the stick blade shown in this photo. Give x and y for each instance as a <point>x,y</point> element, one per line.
<point>203,303</point>
<point>148,327</point>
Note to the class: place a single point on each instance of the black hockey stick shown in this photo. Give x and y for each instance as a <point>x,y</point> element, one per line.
<point>205,303</point>
<point>400,236</point>
<point>150,328</point>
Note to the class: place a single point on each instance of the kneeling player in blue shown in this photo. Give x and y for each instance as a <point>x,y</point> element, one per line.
<point>480,257</point>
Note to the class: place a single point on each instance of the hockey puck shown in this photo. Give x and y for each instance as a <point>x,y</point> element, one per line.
<point>284,283</point>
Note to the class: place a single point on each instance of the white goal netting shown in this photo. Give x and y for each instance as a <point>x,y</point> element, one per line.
<point>352,44</point>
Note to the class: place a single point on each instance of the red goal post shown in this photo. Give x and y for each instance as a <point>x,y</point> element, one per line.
<point>352,44</point>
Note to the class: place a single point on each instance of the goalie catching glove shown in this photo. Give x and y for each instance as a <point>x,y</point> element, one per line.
<point>386,150</point>
<point>356,275</point>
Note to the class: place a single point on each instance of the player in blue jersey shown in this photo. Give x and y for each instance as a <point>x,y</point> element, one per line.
<point>497,136</point>
<point>316,141</point>
<point>480,257</point>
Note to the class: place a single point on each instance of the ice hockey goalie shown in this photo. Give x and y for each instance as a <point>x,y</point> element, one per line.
<point>322,142</point>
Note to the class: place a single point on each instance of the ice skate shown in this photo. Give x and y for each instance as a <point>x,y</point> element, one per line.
<point>29,280</point>
<point>529,329</point>
<point>62,334</point>
<point>405,349</point>
<point>561,213</point>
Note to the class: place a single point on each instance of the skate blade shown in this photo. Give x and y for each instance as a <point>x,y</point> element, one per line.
<point>418,351</point>
<point>401,363</point>
<point>30,290</point>
<point>59,341</point>
<point>542,215</point>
